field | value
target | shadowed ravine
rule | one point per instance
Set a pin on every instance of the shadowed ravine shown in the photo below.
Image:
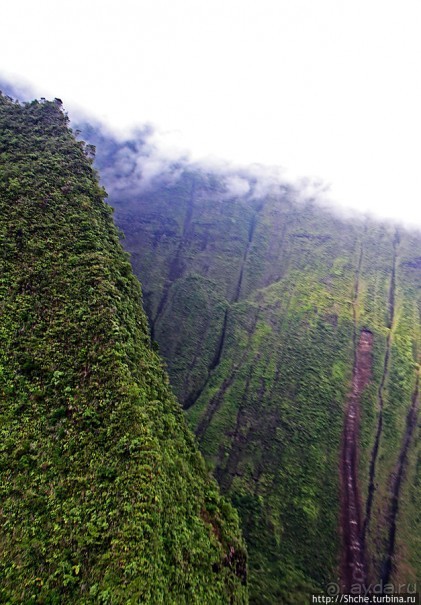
(353, 561)
(176, 266)
(380, 392)
(218, 353)
(411, 422)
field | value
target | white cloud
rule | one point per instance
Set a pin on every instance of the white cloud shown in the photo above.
(237, 186)
(326, 89)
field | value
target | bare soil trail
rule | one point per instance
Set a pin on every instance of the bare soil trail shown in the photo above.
(353, 569)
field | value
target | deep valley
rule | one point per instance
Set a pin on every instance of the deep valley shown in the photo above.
(292, 339)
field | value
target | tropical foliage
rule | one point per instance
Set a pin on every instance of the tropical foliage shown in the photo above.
(104, 496)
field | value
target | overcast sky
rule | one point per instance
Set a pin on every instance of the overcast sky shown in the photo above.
(324, 88)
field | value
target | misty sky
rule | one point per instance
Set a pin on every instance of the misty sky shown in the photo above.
(324, 88)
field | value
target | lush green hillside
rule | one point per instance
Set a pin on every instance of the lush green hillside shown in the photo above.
(257, 303)
(104, 496)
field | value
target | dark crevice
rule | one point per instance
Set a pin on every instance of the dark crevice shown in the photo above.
(193, 397)
(355, 301)
(411, 422)
(380, 392)
(273, 422)
(225, 474)
(279, 267)
(176, 268)
(216, 401)
(217, 358)
(392, 288)
(213, 406)
(239, 441)
(188, 401)
(220, 346)
(191, 400)
(252, 227)
(218, 352)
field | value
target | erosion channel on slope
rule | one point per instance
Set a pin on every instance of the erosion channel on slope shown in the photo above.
(353, 570)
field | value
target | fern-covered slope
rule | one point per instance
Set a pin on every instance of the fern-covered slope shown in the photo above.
(104, 496)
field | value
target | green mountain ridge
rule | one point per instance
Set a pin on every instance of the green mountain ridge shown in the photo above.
(257, 304)
(104, 495)
(291, 337)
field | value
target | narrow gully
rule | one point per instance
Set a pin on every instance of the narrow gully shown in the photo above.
(380, 393)
(411, 422)
(220, 346)
(191, 400)
(245, 255)
(215, 403)
(176, 268)
(218, 353)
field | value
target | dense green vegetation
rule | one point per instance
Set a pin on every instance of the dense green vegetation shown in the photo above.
(256, 303)
(104, 496)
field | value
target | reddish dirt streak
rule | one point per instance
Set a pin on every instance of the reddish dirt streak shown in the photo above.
(353, 568)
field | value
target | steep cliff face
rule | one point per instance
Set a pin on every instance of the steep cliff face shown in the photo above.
(104, 496)
(260, 304)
